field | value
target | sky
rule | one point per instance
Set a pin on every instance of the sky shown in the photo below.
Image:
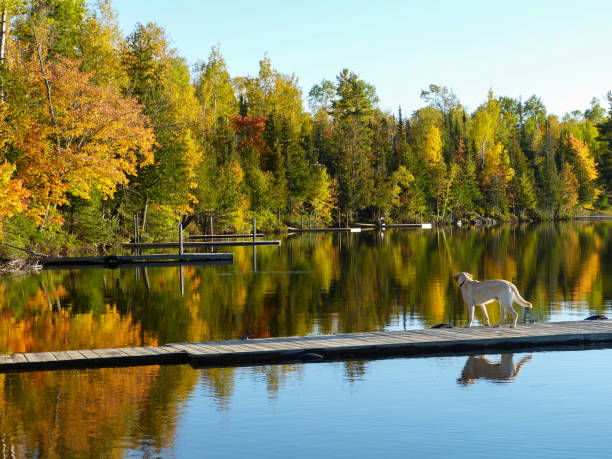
(557, 50)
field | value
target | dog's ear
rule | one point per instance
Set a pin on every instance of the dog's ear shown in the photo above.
(456, 276)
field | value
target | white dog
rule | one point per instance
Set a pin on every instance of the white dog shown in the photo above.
(480, 293)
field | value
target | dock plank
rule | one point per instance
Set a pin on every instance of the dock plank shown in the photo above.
(427, 342)
(109, 353)
(40, 357)
(68, 356)
(19, 358)
(138, 351)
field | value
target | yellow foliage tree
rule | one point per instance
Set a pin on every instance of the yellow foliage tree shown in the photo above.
(569, 188)
(584, 168)
(323, 197)
(582, 158)
(497, 165)
(12, 194)
(432, 148)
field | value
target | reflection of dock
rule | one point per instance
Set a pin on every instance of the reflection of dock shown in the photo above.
(430, 342)
(117, 261)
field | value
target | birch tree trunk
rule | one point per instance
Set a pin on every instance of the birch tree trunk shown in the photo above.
(3, 37)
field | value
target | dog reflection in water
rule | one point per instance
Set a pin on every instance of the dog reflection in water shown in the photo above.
(479, 367)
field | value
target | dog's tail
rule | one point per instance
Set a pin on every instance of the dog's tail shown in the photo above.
(519, 299)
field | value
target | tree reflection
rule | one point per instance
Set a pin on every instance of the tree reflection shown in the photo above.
(98, 413)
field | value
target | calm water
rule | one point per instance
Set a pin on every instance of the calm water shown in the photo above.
(552, 404)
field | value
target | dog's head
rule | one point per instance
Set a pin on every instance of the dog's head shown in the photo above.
(461, 277)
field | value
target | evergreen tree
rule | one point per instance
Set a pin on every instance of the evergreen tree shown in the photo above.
(355, 100)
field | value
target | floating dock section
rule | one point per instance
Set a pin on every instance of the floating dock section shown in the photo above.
(422, 343)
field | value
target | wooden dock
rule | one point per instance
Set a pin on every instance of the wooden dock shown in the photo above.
(421, 343)
(224, 236)
(187, 245)
(395, 225)
(117, 261)
(325, 230)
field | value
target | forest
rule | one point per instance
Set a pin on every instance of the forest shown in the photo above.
(96, 128)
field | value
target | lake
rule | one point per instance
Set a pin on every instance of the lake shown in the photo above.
(554, 402)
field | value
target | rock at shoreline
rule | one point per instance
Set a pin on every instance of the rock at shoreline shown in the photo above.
(19, 266)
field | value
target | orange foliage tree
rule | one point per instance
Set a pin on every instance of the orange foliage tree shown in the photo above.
(249, 129)
(12, 192)
(76, 137)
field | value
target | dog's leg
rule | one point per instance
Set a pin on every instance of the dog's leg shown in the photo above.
(470, 315)
(484, 313)
(514, 313)
(502, 313)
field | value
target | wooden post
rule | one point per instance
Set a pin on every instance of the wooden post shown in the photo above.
(180, 228)
(135, 229)
(339, 219)
(254, 229)
(347, 225)
(211, 233)
(138, 228)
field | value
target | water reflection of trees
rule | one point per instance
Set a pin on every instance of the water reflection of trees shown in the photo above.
(93, 413)
(313, 284)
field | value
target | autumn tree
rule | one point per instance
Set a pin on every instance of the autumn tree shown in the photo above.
(160, 80)
(214, 91)
(569, 189)
(584, 166)
(77, 136)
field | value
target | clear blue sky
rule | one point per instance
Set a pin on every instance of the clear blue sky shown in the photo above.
(559, 50)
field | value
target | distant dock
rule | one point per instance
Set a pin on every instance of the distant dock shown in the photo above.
(324, 230)
(359, 227)
(186, 245)
(223, 236)
(395, 225)
(413, 343)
